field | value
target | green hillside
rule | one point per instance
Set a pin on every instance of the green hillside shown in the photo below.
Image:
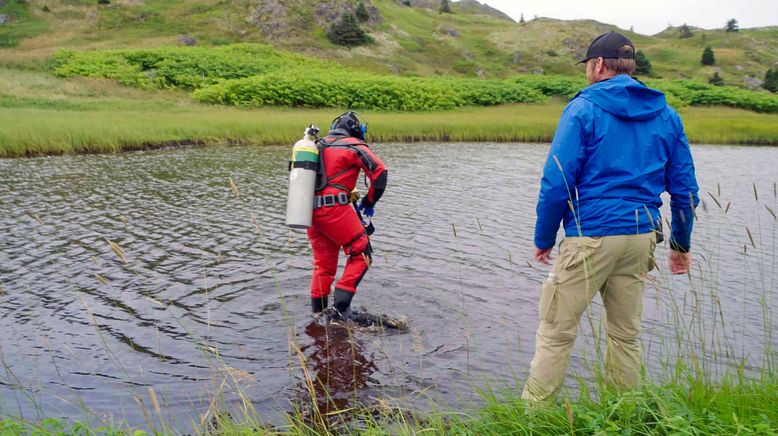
(474, 40)
(110, 75)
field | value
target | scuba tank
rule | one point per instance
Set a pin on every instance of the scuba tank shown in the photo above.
(302, 180)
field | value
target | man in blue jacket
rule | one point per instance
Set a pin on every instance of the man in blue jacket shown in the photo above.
(618, 146)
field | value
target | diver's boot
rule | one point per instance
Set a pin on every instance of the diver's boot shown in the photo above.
(343, 303)
(343, 308)
(318, 304)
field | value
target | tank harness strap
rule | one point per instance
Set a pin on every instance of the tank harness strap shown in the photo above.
(306, 165)
(325, 180)
(329, 200)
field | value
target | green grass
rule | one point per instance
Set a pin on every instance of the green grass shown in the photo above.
(41, 114)
(736, 405)
(31, 127)
(23, 23)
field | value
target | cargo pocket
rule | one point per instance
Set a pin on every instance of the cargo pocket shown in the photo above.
(651, 258)
(581, 249)
(548, 301)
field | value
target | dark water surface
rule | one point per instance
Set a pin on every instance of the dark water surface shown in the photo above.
(205, 290)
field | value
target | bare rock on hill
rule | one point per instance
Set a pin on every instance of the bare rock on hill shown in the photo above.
(187, 40)
(475, 7)
(375, 15)
(426, 4)
(752, 82)
(269, 16)
(326, 13)
(516, 57)
(2, 3)
(450, 31)
(5, 19)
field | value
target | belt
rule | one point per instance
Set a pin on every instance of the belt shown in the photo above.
(341, 198)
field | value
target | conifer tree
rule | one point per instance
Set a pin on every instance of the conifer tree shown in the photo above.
(771, 80)
(347, 32)
(707, 57)
(643, 65)
(732, 25)
(716, 80)
(445, 7)
(361, 12)
(685, 31)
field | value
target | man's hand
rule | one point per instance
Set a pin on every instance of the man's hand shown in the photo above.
(680, 263)
(543, 255)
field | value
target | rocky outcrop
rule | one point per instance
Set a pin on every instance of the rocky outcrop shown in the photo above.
(4, 19)
(269, 16)
(277, 19)
(326, 13)
(475, 7)
(186, 40)
(753, 82)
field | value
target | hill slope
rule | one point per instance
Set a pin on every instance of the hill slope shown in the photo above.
(410, 40)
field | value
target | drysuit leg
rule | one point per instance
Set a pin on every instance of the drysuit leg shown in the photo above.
(358, 261)
(325, 263)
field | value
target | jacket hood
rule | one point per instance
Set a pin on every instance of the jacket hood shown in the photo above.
(625, 98)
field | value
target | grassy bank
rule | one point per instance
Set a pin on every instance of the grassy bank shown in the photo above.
(41, 114)
(736, 406)
(64, 128)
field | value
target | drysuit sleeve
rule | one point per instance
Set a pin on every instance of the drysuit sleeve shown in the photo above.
(376, 171)
(681, 184)
(563, 165)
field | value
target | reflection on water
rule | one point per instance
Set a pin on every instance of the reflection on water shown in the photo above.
(338, 367)
(120, 273)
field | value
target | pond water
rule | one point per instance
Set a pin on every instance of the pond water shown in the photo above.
(141, 277)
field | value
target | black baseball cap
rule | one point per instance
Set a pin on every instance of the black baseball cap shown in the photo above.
(607, 46)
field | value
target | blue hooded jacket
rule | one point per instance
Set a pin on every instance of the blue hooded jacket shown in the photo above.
(618, 146)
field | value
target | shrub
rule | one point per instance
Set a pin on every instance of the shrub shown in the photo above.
(702, 94)
(365, 91)
(642, 64)
(347, 32)
(181, 67)
(716, 79)
(771, 80)
(445, 7)
(707, 57)
(685, 31)
(361, 12)
(552, 85)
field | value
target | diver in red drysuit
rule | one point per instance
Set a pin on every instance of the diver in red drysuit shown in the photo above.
(336, 225)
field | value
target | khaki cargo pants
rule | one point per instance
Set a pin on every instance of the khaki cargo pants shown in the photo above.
(614, 266)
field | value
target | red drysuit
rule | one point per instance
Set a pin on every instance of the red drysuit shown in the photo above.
(337, 225)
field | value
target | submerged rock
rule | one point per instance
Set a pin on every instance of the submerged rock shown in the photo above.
(363, 318)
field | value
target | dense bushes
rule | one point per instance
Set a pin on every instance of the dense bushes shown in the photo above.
(181, 67)
(552, 85)
(686, 92)
(365, 91)
(258, 75)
